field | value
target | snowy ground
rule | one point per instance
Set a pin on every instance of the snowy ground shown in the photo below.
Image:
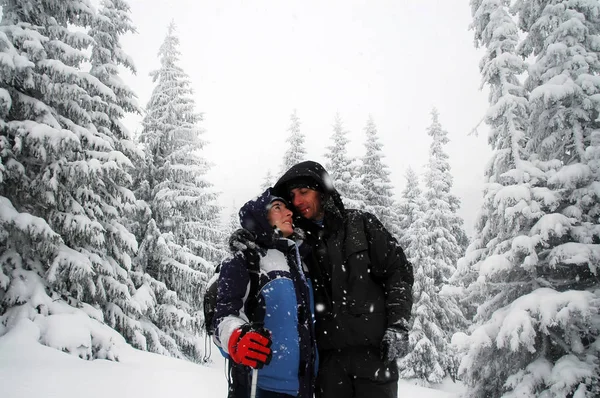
(29, 369)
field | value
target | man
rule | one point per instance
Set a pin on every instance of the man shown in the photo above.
(362, 285)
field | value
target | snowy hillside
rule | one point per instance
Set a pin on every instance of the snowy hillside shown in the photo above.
(29, 369)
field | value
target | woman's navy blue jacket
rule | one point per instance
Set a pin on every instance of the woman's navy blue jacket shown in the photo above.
(284, 304)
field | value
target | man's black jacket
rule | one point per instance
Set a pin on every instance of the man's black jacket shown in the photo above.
(361, 278)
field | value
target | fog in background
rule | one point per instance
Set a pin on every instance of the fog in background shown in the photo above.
(252, 63)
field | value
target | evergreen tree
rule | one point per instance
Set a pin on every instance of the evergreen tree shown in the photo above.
(357, 189)
(180, 242)
(406, 206)
(532, 262)
(296, 152)
(268, 181)
(107, 56)
(377, 188)
(423, 361)
(444, 231)
(564, 82)
(509, 207)
(64, 254)
(435, 313)
(233, 223)
(441, 218)
(340, 168)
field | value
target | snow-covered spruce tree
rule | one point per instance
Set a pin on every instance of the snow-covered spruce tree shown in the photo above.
(424, 362)
(406, 206)
(356, 167)
(233, 223)
(377, 188)
(107, 57)
(64, 255)
(444, 226)
(564, 125)
(509, 207)
(181, 239)
(340, 168)
(268, 181)
(436, 314)
(565, 105)
(296, 151)
(531, 263)
(230, 225)
(112, 22)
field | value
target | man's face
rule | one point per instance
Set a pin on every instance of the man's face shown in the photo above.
(307, 203)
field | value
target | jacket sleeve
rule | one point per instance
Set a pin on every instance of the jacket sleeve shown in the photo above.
(390, 266)
(232, 293)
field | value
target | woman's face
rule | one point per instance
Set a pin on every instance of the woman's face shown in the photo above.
(281, 217)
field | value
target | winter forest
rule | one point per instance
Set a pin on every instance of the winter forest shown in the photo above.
(111, 235)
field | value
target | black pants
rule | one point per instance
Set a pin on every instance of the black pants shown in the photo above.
(240, 384)
(239, 380)
(271, 394)
(356, 372)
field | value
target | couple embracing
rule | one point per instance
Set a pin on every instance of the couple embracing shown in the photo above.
(317, 297)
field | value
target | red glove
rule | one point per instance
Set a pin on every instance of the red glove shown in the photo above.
(250, 346)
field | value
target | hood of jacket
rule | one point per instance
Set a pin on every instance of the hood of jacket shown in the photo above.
(312, 171)
(253, 217)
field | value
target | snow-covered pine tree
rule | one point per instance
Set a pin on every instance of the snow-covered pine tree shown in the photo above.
(565, 89)
(64, 255)
(296, 151)
(509, 207)
(231, 224)
(436, 314)
(375, 179)
(107, 56)
(458, 230)
(564, 126)
(356, 167)
(532, 261)
(423, 361)
(406, 206)
(268, 181)
(398, 204)
(340, 168)
(234, 221)
(181, 241)
(443, 224)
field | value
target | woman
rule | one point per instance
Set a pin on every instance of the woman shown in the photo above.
(269, 327)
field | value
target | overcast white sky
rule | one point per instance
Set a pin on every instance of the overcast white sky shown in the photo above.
(252, 62)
